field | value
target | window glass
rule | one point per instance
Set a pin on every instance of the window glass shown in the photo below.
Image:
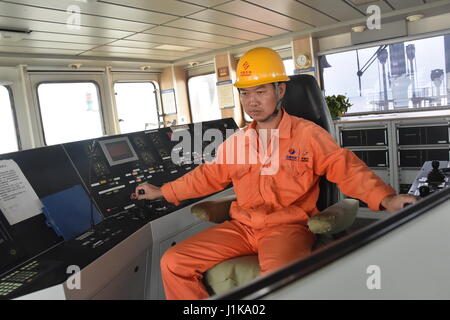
(8, 134)
(69, 111)
(400, 76)
(203, 98)
(136, 106)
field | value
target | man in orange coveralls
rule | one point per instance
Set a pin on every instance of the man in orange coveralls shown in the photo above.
(272, 208)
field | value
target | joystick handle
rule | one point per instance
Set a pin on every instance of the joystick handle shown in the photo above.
(424, 191)
(435, 164)
(435, 176)
(141, 191)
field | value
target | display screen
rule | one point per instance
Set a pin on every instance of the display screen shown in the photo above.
(119, 150)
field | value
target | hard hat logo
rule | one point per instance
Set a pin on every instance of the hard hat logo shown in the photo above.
(260, 66)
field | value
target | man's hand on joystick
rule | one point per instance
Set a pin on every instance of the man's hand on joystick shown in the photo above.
(146, 191)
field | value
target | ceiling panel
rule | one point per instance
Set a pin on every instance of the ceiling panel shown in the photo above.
(296, 10)
(383, 6)
(40, 26)
(257, 13)
(205, 3)
(189, 34)
(47, 36)
(403, 4)
(175, 41)
(38, 50)
(215, 29)
(230, 20)
(167, 6)
(339, 10)
(49, 45)
(96, 10)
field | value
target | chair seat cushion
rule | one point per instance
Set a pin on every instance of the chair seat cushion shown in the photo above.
(335, 218)
(232, 273)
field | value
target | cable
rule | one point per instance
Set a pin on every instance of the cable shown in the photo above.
(367, 65)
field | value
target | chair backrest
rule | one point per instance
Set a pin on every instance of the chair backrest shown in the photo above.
(304, 99)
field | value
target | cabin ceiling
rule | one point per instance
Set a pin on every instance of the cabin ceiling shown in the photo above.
(162, 32)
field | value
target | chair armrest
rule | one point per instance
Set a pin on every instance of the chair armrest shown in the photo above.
(335, 218)
(216, 211)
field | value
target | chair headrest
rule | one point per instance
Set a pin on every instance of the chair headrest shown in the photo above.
(304, 99)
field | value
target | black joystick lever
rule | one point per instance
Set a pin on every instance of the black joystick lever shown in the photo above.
(140, 209)
(435, 176)
(424, 191)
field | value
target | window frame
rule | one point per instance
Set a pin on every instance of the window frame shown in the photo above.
(39, 110)
(156, 91)
(14, 115)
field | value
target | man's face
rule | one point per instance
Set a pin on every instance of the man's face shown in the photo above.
(259, 102)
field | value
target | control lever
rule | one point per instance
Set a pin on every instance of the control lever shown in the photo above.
(140, 209)
(424, 191)
(435, 176)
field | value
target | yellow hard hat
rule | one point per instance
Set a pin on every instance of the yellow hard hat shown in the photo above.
(260, 66)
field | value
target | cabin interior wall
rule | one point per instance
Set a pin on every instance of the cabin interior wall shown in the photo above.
(175, 77)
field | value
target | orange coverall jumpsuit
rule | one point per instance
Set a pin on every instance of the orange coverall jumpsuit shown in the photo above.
(270, 215)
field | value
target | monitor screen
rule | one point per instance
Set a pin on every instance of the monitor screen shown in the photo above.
(118, 150)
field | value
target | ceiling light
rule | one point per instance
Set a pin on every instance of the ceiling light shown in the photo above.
(172, 47)
(414, 17)
(145, 68)
(359, 28)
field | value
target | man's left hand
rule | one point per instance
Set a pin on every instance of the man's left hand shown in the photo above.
(393, 203)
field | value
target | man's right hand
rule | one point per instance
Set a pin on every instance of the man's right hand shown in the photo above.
(149, 192)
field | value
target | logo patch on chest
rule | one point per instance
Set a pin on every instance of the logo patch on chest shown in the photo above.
(296, 155)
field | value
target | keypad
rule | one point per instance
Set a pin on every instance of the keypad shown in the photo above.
(7, 287)
(18, 278)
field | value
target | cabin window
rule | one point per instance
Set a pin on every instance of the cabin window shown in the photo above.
(403, 76)
(203, 98)
(8, 133)
(70, 111)
(136, 106)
